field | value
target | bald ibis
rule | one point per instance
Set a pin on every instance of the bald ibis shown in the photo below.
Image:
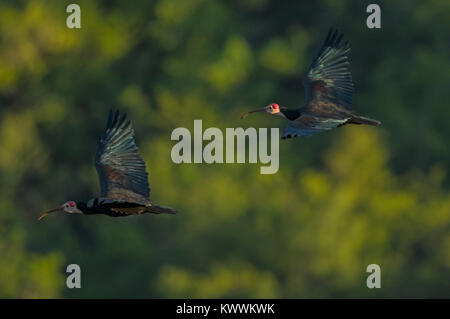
(328, 88)
(124, 188)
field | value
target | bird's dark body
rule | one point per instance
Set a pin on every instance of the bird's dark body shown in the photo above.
(307, 120)
(326, 109)
(112, 208)
(115, 208)
(318, 108)
(290, 114)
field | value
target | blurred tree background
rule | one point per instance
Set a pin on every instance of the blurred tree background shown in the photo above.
(340, 201)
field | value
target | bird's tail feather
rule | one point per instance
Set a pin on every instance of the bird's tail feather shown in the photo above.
(363, 120)
(155, 209)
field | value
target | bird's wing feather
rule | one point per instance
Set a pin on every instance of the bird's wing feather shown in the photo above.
(120, 169)
(307, 125)
(329, 77)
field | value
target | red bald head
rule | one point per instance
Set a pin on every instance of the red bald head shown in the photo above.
(68, 207)
(71, 203)
(272, 108)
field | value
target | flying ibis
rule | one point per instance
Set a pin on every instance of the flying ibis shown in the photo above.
(124, 188)
(328, 89)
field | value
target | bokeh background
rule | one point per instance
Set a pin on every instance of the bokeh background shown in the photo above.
(340, 201)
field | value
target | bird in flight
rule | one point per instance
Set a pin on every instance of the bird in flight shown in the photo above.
(124, 188)
(328, 89)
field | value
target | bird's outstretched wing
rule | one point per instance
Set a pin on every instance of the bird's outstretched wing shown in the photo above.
(307, 125)
(328, 76)
(120, 169)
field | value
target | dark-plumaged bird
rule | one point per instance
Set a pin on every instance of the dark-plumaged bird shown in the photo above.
(124, 188)
(328, 89)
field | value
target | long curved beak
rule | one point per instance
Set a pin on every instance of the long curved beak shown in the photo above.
(264, 109)
(50, 211)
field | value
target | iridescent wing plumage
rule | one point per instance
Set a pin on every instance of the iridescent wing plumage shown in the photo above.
(121, 170)
(329, 77)
(328, 89)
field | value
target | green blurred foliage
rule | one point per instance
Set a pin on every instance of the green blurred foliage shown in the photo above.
(340, 201)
